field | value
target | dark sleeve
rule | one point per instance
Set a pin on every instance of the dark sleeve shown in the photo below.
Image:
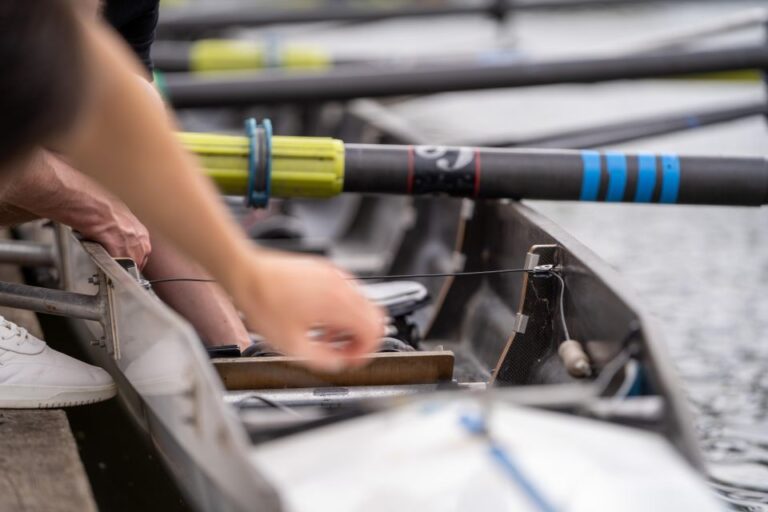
(135, 21)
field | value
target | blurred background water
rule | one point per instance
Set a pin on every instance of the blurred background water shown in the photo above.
(701, 271)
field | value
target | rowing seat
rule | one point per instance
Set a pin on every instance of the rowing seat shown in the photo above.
(400, 298)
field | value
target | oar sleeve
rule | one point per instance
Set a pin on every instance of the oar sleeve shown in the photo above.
(556, 175)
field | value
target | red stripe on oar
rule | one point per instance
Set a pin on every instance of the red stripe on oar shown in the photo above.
(478, 171)
(410, 170)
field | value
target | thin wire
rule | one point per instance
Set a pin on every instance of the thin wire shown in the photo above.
(562, 300)
(182, 279)
(371, 278)
(269, 402)
(615, 365)
(448, 274)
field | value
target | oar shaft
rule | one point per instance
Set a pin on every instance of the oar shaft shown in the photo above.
(259, 165)
(187, 91)
(207, 18)
(625, 131)
(555, 174)
(208, 56)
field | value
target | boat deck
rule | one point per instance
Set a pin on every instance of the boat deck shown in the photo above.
(466, 367)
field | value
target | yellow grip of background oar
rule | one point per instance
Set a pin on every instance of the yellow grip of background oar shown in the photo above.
(217, 55)
(212, 55)
(304, 57)
(301, 166)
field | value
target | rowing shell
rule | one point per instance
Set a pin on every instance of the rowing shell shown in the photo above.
(210, 439)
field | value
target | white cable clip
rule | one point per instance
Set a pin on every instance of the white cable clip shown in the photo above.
(542, 269)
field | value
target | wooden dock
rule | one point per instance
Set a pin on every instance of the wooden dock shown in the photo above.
(40, 468)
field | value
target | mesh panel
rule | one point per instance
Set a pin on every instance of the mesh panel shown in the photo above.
(527, 358)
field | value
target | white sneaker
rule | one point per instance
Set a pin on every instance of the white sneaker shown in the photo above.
(33, 375)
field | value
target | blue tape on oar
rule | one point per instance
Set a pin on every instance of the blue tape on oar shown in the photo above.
(670, 179)
(250, 132)
(255, 198)
(267, 125)
(646, 178)
(616, 164)
(590, 181)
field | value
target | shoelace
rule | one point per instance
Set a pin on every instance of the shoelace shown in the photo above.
(15, 330)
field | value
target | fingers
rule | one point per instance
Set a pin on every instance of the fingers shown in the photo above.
(345, 345)
(300, 295)
(144, 253)
(325, 356)
(125, 240)
(349, 311)
(136, 249)
(137, 245)
(354, 327)
(346, 335)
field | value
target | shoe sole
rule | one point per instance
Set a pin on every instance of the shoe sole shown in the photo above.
(31, 397)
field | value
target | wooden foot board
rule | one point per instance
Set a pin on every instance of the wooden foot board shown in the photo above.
(387, 369)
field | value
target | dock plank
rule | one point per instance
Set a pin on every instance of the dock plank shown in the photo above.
(40, 468)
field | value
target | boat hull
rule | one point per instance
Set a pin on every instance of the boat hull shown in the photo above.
(167, 384)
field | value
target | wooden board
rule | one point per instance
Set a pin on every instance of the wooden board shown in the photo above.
(388, 369)
(39, 463)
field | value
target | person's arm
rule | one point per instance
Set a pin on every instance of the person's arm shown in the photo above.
(49, 188)
(128, 145)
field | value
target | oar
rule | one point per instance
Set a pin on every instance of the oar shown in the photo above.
(188, 21)
(625, 131)
(213, 55)
(259, 166)
(373, 113)
(685, 36)
(225, 55)
(186, 90)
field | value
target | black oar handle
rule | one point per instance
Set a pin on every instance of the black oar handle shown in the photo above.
(556, 175)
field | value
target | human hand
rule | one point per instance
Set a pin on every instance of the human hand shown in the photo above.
(48, 187)
(114, 226)
(306, 307)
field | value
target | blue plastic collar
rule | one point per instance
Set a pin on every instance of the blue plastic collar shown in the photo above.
(255, 198)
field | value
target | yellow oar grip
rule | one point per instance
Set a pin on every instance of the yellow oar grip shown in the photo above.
(301, 166)
(216, 55)
(307, 167)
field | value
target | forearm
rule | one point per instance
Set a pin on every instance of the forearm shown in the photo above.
(204, 305)
(49, 188)
(124, 142)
